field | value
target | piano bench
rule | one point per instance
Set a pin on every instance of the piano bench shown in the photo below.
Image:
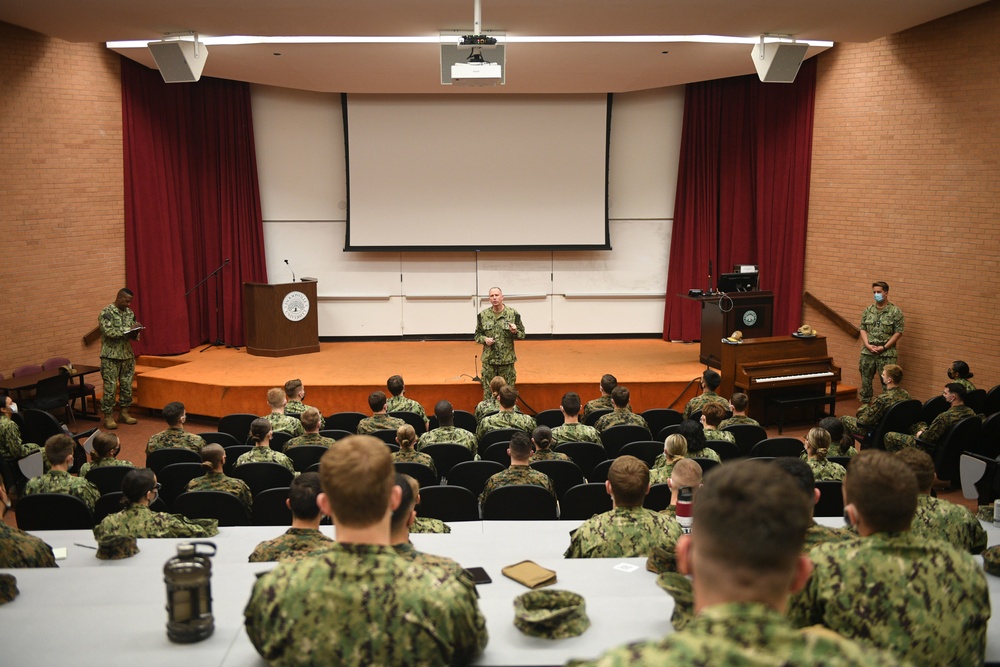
(803, 399)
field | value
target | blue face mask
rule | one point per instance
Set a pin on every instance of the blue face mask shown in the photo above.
(879, 297)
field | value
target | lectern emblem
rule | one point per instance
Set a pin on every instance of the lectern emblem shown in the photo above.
(750, 318)
(295, 306)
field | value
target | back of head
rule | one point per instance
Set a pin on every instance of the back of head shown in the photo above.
(740, 402)
(958, 389)
(445, 413)
(686, 472)
(58, 448)
(713, 414)
(694, 434)
(136, 484)
(571, 403)
(620, 396)
(357, 476)
(922, 465)
(105, 444)
(275, 397)
(835, 428)
(629, 479)
(894, 372)
(542, 437)
(608, 383)
(675, 447)
(311, 419)
(507, 396)
(212, 455)
(395, 385)
(259, 428)
(496, 383)
(818, 442)
(376, 401)
(961, 369)
(800, 472)
(172, 413)
(882, 489)
(407, 502)
(292, 389)
(406, 436)
(302, 494)
(712, 379)
(520, 446)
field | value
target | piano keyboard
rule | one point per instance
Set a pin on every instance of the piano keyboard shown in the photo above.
(790, 378)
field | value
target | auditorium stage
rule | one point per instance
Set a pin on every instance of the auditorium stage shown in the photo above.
(340, 376)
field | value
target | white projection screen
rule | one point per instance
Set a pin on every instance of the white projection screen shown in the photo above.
(477, 172)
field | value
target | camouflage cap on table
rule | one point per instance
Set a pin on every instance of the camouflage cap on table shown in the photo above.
(679, 588)
(991, 561)
(551, 614)
(8, 588)
(117, 547)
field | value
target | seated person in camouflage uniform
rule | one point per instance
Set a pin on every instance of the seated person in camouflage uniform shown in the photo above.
(359, 602)
(104, 455)
(869, 415)
(921, 599)
(406, 438)
(175, 435)
(629, 529)
(379, 421)
(694, 434)
(447, 431)
(519, 472)
(311, 421)
(279, 420)
(803, 475)
(607, 385)
(490, 404)
(622, 414)
(738, 405)
(740, 601)
(841, 443)
(295, 393)
(423, 524)
(686, 473)
(954, 393)
(710, 381)
(399, 403)
(675, 447)
(571, 429)
(939, 519)
(59, 453)
(404, 522)
(711, 416)
(541, 438)
(213, 457)
(817, 443)
(507, 417)
(139, 490)
(260, 434)
(19, 549)
(11, 446)
(303, 538)
(960, 373)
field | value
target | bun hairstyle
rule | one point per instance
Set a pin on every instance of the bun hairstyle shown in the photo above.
(136, 484)
(406, 436)
(104, 446)
(675, 447)
(818, 442)
(542, 437)
(259, 428)
(212, 455)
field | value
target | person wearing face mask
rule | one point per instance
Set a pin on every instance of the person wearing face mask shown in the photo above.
(881, 327)
(957, 410)
(139, 491)
(11, 446)
(960, 373)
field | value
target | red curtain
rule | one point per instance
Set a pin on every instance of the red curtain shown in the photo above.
(192, 204)
(742, 193)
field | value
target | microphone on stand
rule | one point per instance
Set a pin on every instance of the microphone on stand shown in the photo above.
(709, 291)
(475, 375)
(289, 268)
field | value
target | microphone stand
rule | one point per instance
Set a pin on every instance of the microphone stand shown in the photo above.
(218, 342)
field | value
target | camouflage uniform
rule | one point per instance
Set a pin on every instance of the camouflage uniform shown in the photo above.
(218, 481)
(141, 522)
(175, 436)
(896, 441)
(888, 590)
(705, 452)
(517, 474)
(11, 446)
(744, 634)
(624, 532)
(403, 404)
(703, 399)
(487, 406)
(660, 474)
(282, 423)
(297, 407)
(107, 462)
(716, 434)
(602, 403)
(498, 358)
(965, 382)
(447, 566)
(575, 433)
(60, 481)
(360, 604)
(735, 420)
(826, 471)
(881, 324)
(548, 455)
(264, 455)
(820, 534)
(409, 455)
(444, 434)
(379, 422)
(117, 358)
(618, 417)
(293, 544)
(19, 549)
(425, 524)
(941, 520)
(502, 420)
(309, 439)
(868, 416)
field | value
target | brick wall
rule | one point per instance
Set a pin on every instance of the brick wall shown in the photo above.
(61, 206)
(906, 189)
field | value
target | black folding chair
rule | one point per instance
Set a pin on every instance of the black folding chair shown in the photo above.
(53, 511)
(520, 502)
(225, 507)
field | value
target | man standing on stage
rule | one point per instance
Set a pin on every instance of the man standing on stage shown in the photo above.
(118, 329)
(881, 327)
(496, 329)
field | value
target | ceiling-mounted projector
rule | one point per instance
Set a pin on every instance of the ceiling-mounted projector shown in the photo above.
(476, 72)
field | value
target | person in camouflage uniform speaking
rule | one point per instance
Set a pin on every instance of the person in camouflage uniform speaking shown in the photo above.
(881, 327)
(118, 328)
(497, 327)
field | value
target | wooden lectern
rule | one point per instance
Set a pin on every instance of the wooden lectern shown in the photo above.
(281, 320)
(721, 315)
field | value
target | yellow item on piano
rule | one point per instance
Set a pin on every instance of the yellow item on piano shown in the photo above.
(736, 337)
(806, 330)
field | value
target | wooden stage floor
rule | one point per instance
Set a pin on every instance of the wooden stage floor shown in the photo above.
(340, 376)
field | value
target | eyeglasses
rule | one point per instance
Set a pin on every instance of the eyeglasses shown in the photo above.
(157, 487)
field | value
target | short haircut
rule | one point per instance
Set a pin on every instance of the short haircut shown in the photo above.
(800, 472)
(629, 478)
(754, 509)
(406, 436)
(818, 441)
(835, 428)
(212, 455)
(376, 401)
(58, 448)
(542, 437)
(571, 403)
(686, 472)
(496, 383)
(445, 413)
(302, 494)
(958, 389)
(507, 396)
(712, 379)
(740, 402)
(962, 370)
(520, 445)
(276, 397)
(357, 476)
(172, 413)
(922, 465)
(292, 388)
(608, 383)
(694, 434)
(620, 396)
(408, 501)
(883, 489)
(881, 283)
(675, 447)
(713, 413)
(894, 372)
(126, 291)
(136, 484)
(104, 443)
(259, 428)
(311, 419)
(395, 385)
